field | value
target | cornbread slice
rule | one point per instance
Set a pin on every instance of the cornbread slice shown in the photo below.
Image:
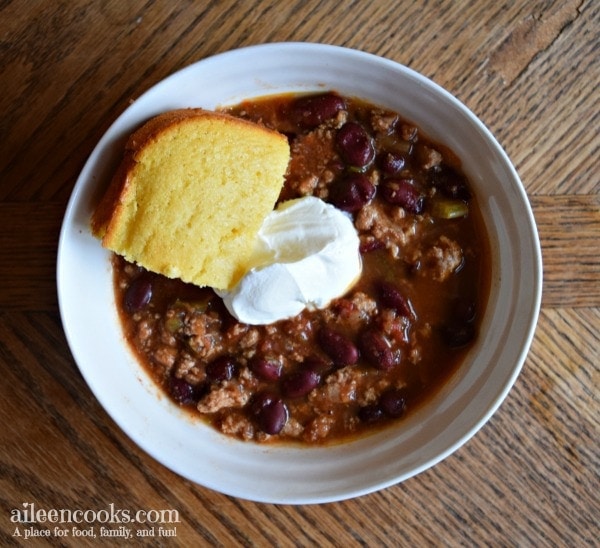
(191, 193)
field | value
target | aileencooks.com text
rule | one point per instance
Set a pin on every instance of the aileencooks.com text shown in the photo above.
(29, 514)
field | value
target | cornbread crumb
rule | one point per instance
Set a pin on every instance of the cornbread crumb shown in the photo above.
(191, 193)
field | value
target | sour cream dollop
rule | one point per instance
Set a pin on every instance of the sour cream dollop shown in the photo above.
(307, 254)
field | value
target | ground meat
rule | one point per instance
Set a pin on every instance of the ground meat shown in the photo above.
(442, 259)
(144, 332)
(307, 186)
(408, 132)
(354, 310)
(340, 387)
(229, 394)
(429, 157)
(313, 164)
(167, 337)
(237, 425)
(371, 393)
(393, 231)
(298, 332)
(203, 330)
(383, 121)
(185, 365)
(165, 355)
(293, 428)
(250, 339)
(396, 326)
(318, 428)
(339, 120)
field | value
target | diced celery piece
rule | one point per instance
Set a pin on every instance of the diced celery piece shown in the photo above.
(444, 208)
(174, 324)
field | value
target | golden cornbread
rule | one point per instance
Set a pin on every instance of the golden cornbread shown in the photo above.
(191, 193)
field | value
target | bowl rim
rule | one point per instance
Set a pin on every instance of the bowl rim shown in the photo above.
(79, 202)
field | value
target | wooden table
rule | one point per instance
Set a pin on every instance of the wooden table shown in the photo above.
(528, 69)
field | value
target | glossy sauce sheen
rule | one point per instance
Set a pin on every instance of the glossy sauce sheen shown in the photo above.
(374, 354)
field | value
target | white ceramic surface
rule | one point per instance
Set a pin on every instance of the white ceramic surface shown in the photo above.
(283, 474)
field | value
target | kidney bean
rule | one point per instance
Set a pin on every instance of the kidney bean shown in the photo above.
(222, 368)
(352, 192)
(181, 391)
(260, 400)
(464, 310)
(355, 145)
(300, 383)
(371, 413)
(268, 370)
(319, 365)
(274, 417)
(271, 412)
(392, 163)
(393, 402)
(311, 111)
(338, 347)
(391, 297)
(376, 349)
(450, 182)
(138, 294)
(459, 334)
(402, 192)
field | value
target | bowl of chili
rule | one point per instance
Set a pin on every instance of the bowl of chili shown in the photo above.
(289, 472)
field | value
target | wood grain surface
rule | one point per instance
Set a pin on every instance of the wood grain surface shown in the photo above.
(528, 68)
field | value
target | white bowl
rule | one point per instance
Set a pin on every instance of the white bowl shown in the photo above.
(283, 474)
